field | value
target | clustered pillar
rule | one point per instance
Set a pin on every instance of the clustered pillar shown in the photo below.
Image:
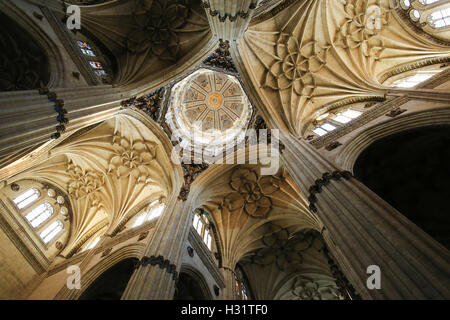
(363, 230)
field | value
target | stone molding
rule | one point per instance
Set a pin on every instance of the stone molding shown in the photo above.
(205, 256)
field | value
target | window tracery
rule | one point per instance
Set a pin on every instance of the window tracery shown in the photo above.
(203, 228)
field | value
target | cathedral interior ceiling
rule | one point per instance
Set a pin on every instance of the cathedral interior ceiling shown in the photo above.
(149, 37)
(107, 172)
(314, 53)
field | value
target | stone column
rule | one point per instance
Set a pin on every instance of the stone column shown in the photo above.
(156, 275)
(32, 117)
(229, 292)
(363, 230)
(229, 19)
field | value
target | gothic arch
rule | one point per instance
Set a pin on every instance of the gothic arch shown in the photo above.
(198, 278)
(352, 150)
(130, 251)
(42, 39)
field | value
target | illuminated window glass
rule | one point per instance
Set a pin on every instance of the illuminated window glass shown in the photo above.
(152, 212)
(96, 65)
(427, 1)
(88, 52)
(327, 126)
(351, 114)
(342, 119)
(83, 45)
(100, 72)
(413, 80)
(26, 198)
(439, 18)
(40, 214)
(319, 131)
(51, 231)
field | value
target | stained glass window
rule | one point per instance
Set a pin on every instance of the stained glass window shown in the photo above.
(440, 18)
(83, 45)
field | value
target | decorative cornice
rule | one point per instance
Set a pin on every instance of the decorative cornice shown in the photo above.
(273, 12)
(59, 108)
(221, 57)
(191, 171)
(230, 16)
(324, 181)
(205, 256)
(345, 287)
(366, 117)
(412, 66)
(150, 103)
(161, 263)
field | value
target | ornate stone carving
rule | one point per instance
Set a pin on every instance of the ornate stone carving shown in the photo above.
(132, 158)
(324, 181)
(161, 263)
(59, 108)
(250, 193)
(156, 30)
(221, 57)
(15, 187)
(395, 112)
(190, 251)
(150, 103)
(361, 26)
(295, 65)
(84, 183)
(231, 17)
(283, 249)
(333, 145)
(191, 171)
(305, 288)
(345, 287)
(143, 235)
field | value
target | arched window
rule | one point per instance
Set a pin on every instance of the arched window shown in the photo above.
(40, 214)
(328, 121)
(50, 232)
(201, 225)
(439, 18)
(27, 198)
(153, 211)
(241, 287)
(425, 2)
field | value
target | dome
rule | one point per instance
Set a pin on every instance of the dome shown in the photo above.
(208, 110)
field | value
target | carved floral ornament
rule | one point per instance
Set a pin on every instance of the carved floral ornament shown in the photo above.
(84, 183)
(157, 24)
(363, 22)
(132, 158)
(251, 193)
(295, 65)
(283, 249)
(306, 288)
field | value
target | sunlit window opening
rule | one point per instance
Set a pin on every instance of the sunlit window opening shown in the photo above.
(27, 198)
(152, 212)
(207, 238)
(414, 80)
(85, 48)
(405, 3)
(40, 214)
(198, 224)
(426, 1)
(439, 18)
(49, 233)
(327, 126)
(94, 243)
(320, 131)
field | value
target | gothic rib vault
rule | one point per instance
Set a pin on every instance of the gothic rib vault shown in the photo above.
(297, 233)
